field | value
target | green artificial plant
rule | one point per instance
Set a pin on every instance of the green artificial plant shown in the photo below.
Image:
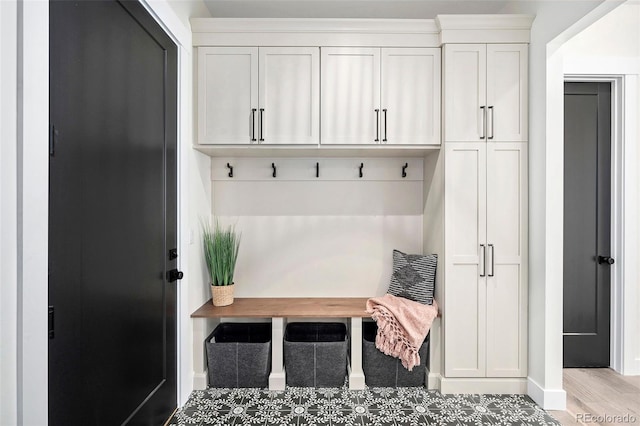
(221, 247)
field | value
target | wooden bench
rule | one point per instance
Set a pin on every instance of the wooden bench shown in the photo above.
(279, 309)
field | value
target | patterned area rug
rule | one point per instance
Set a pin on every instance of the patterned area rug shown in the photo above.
(342, 407)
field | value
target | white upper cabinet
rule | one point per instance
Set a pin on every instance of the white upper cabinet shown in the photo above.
(485, 86)
(227, 94)
(507, 88)
(350, 104)
(250, 95)
(289, 95)
(380, 96)
(410, 98)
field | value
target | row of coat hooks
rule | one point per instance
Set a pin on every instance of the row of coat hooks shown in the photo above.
(275, 170)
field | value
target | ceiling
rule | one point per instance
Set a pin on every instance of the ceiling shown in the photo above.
(400, 9)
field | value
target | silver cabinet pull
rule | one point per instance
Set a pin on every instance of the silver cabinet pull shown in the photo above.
(253, 124)
(483, 266)
(261, 119)
(492, 259)
(483, 121)
(385, 125)
(377, 139)
(490, 121)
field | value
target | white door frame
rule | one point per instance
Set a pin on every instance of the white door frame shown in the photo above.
(617, 341)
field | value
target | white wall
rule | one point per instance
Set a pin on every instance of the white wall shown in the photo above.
(8, 213)
(320, 238)
(611, 47)
(555, 23)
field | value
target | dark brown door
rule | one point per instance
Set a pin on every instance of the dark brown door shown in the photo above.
(587, 224)
(112, 195)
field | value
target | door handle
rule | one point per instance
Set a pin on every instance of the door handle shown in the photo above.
(483, 265)
(253, 124)
(490, 121)
(492, 260)
(385, 125)
(377, 139)
(606, 260)
(261, 112)
(483, 119)
(174, 275)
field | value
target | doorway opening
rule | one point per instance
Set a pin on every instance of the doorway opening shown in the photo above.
(610, 274)
(587, 224)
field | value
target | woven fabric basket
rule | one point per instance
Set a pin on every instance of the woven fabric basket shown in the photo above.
(222, 295)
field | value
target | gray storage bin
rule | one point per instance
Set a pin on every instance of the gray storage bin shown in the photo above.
(384, 370)
(315, 354)
(239, 355)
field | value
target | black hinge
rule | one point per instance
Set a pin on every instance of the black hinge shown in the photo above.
(53, 140)
(51, 323)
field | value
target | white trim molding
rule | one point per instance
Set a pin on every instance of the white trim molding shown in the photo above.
(548, 399)
(484, 28)
(33, 211)
(314, 32)
(362, 32)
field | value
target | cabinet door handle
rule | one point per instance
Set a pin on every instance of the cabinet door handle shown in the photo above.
(261, 119)
(253, 124)
(483, 265)
(482, 121)
(492, 260)
(385, 125)
(377, 126)
(490, 121)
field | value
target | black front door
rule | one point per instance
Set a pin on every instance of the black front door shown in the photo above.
(587, 224)
(112, 219)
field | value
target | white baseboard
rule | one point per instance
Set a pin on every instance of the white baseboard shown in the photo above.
(506, 385)
(200, 380)
(433, 381)
(548, 399)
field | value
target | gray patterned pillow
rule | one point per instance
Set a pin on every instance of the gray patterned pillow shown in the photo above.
(413, 276)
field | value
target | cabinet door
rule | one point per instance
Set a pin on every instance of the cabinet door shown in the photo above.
(289, 80)
(464, 313)
(506, 261)
(350, 95)
(507, 89)
(464, 92)
(227, 94)
(410, 96)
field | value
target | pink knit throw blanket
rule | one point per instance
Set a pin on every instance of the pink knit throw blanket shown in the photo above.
(402, 326)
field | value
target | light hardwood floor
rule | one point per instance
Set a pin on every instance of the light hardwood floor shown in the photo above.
(600, 392)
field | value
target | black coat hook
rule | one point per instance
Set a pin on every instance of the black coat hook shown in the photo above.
(317, 170)
(404, 170)
(230, 169)
(361, 166)
(273, 166)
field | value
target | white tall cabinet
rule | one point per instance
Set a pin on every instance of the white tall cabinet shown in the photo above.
(251, 95)
(380, 96)
(485, 217)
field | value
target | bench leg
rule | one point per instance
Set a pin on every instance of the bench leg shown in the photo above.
(201, 329)
(276, 378)
(356, 375)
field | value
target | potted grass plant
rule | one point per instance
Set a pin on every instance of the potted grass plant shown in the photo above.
(221, 247)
